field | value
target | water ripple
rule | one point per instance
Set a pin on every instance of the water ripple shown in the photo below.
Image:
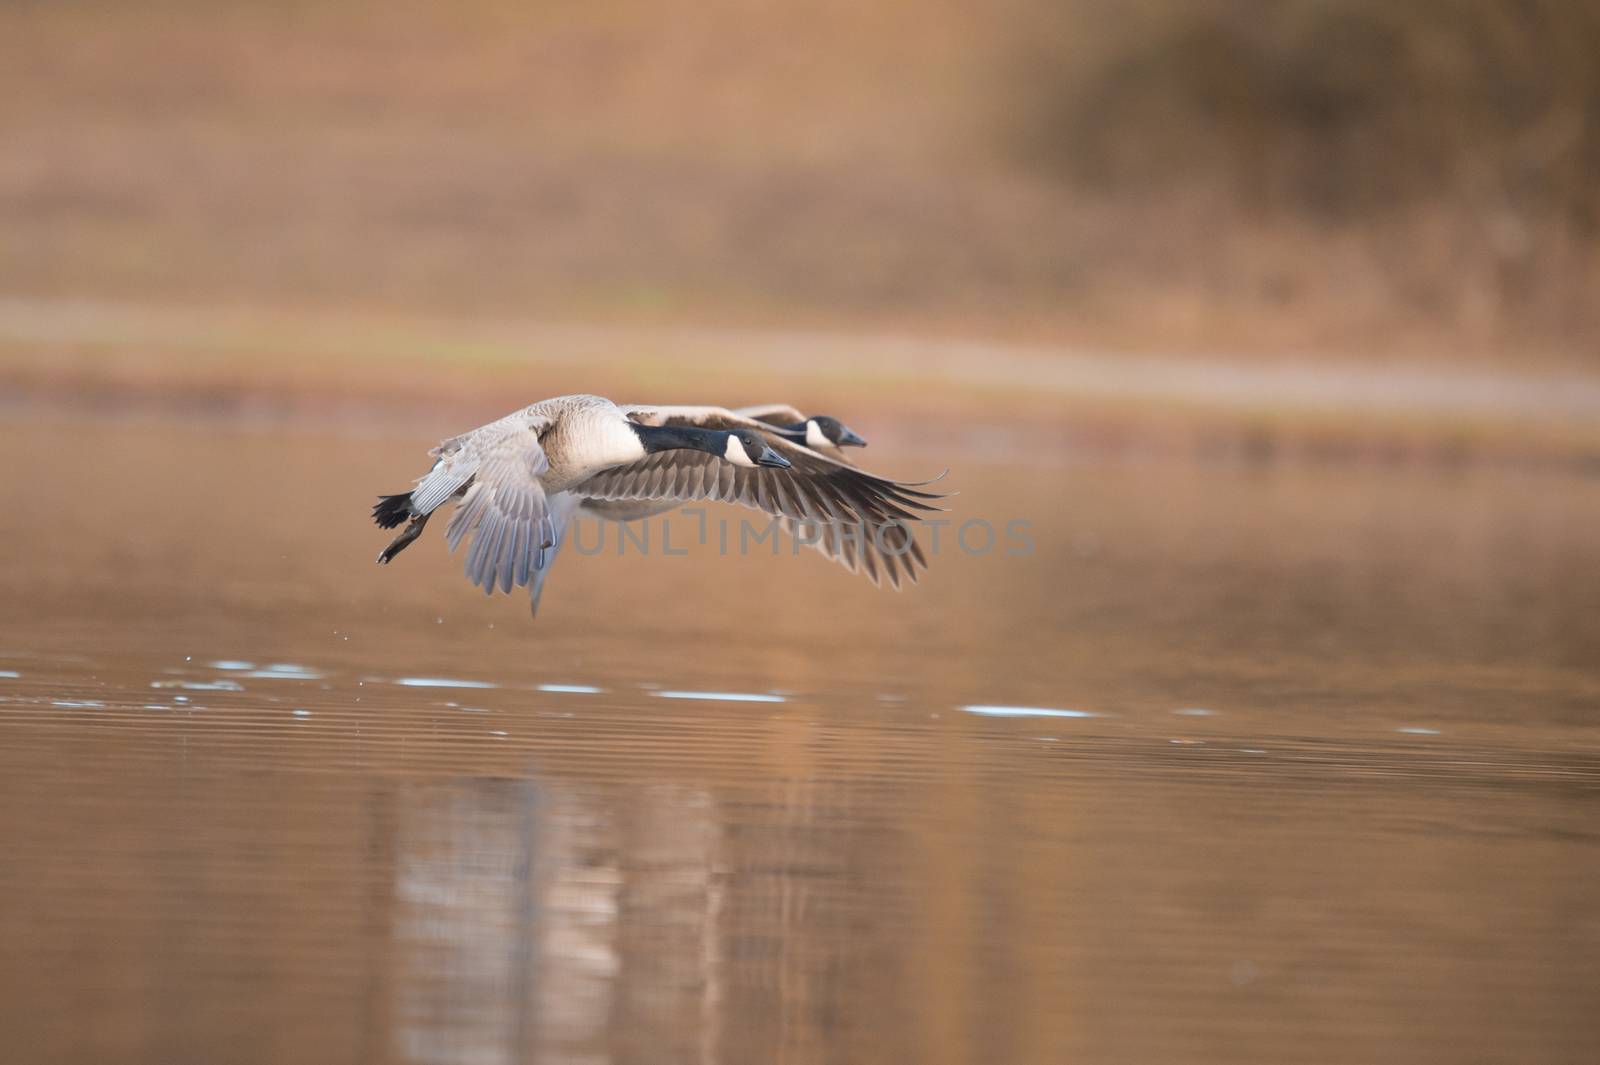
(285, 671)
(1024, 711)
(726, 697)
(200, 685)
(442, 682)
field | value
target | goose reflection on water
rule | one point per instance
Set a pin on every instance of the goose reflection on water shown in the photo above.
(586, 923)
(523, 934)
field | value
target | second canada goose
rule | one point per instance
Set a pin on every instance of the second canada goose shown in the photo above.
(875, 552)
(819, 432)
(519, 480)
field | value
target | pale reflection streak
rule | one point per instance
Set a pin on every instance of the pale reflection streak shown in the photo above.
(537, 922)
(1024, 711)
(464, 921)
(576, 954)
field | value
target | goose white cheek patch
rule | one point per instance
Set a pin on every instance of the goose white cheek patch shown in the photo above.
(814, 437)
(735, 453)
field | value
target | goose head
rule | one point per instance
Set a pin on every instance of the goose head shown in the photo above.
(823, 430)
(745, 447)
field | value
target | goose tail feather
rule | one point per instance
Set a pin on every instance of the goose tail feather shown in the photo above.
(390, 511)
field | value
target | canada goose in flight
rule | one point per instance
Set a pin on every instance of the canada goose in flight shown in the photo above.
(519, 481)
(820, 433)
(853, 544)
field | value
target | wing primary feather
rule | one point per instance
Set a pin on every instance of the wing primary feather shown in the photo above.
(473, 567)
(465, 517)
(508, 548)
(485, 546)
(522, 555)
(495, 526)
(782, 490)
(869, 561)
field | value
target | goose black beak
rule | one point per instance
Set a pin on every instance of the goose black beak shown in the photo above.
(770, 457)
(849, 439)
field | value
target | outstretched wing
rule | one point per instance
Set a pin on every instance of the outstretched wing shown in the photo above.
(503, 507)
(563, 505)
(702, 417)
(772, 414)
(874, 551)
(873, 513)
(850, 544)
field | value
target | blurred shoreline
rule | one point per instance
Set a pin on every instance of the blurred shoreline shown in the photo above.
(1339, 229)
(1347, 179)
(362, 371)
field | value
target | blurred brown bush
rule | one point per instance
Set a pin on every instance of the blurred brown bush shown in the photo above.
(1335, 107)
(1447, 151)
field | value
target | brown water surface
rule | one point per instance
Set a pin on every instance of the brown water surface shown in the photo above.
(1321, 782)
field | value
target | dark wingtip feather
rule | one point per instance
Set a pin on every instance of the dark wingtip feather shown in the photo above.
(930, 480)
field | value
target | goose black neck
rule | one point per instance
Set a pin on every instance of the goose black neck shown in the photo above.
(680, 437)
(795, 434)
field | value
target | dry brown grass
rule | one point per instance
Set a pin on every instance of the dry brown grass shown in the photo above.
(895, 164)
